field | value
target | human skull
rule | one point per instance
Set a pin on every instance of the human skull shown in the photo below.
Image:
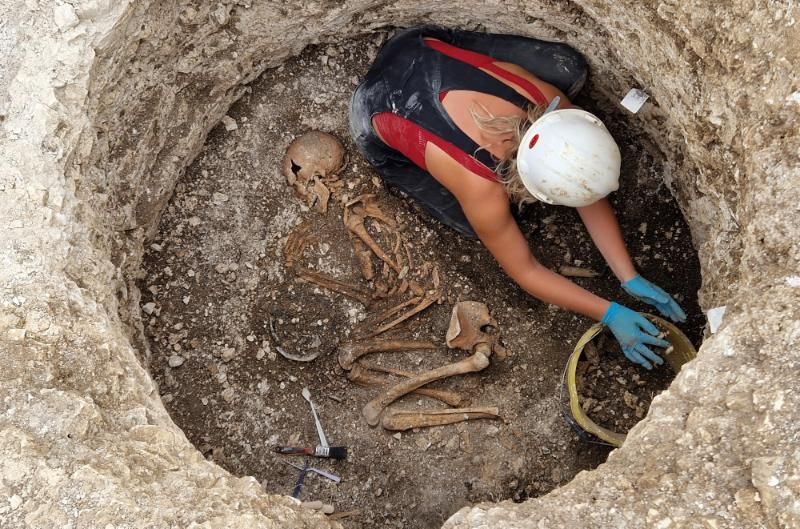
(314, 154)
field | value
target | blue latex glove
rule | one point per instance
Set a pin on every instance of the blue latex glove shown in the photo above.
(634, 332)
(645, 291)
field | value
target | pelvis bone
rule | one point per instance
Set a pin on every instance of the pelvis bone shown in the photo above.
(470, 325)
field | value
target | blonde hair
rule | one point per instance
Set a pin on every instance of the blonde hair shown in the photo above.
(506, 170)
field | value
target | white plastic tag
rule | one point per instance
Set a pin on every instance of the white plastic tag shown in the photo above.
(634, 100)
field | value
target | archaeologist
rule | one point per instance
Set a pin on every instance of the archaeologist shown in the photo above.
(456, 120)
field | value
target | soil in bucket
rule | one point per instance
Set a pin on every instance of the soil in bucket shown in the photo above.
(614, 392)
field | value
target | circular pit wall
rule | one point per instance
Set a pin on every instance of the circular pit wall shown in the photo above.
(106, 105)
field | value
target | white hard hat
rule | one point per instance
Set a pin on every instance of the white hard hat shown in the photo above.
(567, 157)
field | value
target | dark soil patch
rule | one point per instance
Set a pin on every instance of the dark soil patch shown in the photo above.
(215, 271)
(614, 392)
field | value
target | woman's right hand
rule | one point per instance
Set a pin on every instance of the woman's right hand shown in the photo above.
(634, 333)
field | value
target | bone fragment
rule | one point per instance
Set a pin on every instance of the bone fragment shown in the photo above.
(350, 352)
(366, 206)
(283, 352)
(322, 196)
(478, 361)
(335, 285)
(361, 375)
(405, 420)
(364, 257)
(423, 304)
(355, 223)
(574, 271)
(394, 310)
(296, 244)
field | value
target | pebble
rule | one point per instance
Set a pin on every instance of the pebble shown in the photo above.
(149, 308)
(194, 221)
(15, 502)
(228, 353)
(313, 505)
(327, 509)
(16, 335)
(219, 198)
(176, 361)
(230, 123)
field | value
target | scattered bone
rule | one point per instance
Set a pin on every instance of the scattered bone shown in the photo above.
(470, 325)
(426, 302)
(361, 375)
(322, 196)
(324, 281)
(355, 224)
(367, 206)
(312, 156)
(574, 271)
(388, 313)
(296, 243)
(478, 361)
(350, 352)
(283, 352)
(364, 257)
(406, 420)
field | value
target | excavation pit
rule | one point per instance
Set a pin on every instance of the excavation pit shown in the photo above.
(216, 274)
(103, 106)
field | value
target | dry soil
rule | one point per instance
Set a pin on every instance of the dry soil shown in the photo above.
(216, 269)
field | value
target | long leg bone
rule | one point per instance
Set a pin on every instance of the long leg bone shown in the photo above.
(335, 285)
(350, 352)
(478, 361)
(405, 420)
(362, 376)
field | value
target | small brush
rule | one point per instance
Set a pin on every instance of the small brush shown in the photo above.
(330, 452)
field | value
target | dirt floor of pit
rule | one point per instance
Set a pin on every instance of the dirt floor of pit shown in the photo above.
(216, 269)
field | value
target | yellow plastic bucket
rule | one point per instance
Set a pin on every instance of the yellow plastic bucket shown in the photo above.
(683, 352)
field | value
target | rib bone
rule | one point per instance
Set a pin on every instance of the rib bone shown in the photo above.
(405, 420)
(362, 376)
(478, 361)
(426, 302)
(330, 283)
(350, 352)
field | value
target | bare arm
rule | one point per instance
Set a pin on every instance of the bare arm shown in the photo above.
(490, 216)
(604, 229)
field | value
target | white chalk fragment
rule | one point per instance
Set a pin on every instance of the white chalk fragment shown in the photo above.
(65, 17)
(793, 281)
(715, 317)
(16, 335)
(634, 100)
(230, 123)
(15, 501)
(175, 361)
(149, 308)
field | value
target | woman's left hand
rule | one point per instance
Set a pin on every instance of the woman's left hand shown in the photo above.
(645, 291)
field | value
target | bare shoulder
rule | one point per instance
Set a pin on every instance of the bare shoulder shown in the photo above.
(459, 180)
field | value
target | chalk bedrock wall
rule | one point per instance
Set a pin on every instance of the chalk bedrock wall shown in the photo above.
(104, 103)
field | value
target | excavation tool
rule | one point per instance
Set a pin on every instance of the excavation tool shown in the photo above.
(323, 450)
(300, 479)
(323, 473)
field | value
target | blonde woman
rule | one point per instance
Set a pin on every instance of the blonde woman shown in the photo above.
(457, 121)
